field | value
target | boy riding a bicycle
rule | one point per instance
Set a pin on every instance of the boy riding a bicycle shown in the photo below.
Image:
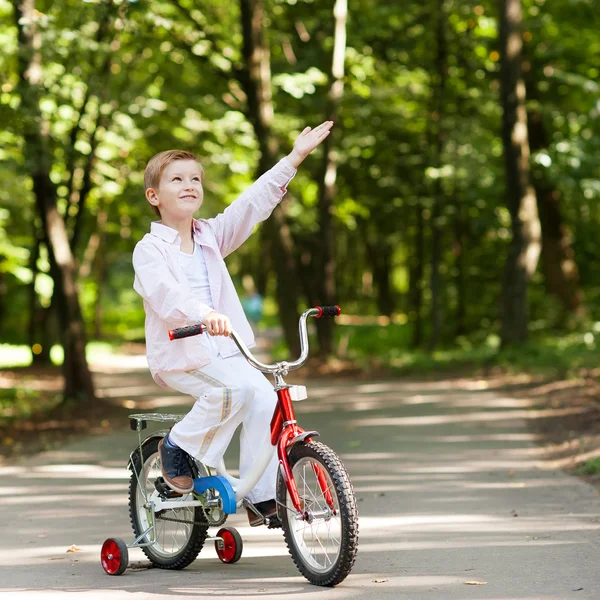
(181, 276)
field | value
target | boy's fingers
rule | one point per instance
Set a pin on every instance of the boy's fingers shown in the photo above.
(305, 131)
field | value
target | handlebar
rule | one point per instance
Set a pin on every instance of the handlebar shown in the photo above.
(317, 312)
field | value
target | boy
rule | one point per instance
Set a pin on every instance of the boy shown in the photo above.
(181, 276)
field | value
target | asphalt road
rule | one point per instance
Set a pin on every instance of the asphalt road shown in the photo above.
(451, 485)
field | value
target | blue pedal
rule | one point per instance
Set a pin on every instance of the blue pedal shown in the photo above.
(222, 486)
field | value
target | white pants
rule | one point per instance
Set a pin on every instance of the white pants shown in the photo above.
(228, 392)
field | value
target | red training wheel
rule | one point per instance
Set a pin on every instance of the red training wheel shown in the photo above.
(230, 549)
(114, 556)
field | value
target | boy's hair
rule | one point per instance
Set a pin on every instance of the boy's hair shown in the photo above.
(159, 162)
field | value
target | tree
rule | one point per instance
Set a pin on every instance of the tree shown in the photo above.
(78, 379)
(524, 248)
(326, 257)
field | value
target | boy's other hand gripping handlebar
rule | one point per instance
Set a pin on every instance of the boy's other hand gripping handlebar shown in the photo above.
(182, 332)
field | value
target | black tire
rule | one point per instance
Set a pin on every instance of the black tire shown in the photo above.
(195, 535)
(345, 501)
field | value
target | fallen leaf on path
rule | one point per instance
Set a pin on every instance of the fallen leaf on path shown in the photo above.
(469, 569)
(578, 590)
(380, 580)
(57, 558)
(74, 548)
(475, 582)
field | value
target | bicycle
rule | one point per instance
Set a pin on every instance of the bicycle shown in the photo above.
(316, 505)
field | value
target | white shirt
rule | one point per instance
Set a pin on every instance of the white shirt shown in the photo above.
(168, 300)
(194, 267)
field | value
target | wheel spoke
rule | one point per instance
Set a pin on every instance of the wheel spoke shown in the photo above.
(170, 536)
(317, 538)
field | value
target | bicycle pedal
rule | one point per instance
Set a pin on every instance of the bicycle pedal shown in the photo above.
(164, 490)
(274, 523)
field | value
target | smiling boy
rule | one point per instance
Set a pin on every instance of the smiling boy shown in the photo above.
(181, 276)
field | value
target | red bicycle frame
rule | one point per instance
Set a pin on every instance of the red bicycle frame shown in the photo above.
(285, 432)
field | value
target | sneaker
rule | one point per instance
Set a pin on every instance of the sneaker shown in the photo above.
(176, 470)
(268, 509)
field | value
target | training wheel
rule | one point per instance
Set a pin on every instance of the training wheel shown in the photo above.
(231, 547)
(114, 556)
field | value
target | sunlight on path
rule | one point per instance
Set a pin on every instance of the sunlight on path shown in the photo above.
(450, 486)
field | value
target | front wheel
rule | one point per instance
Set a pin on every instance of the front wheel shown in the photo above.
(323, 541)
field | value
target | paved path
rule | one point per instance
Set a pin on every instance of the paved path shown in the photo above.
(450, 483)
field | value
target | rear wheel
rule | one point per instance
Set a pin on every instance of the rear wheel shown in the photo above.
(323, 541)
(179, 532)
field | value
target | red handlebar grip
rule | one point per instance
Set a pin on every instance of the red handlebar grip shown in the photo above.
(328, 311)
(183, 332)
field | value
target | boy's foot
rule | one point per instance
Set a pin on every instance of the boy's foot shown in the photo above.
(175, 468)
(268, 509)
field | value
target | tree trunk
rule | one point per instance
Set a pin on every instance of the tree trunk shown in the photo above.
(417, 265)
(380, 258)
(558, 258)
(326, 262)
(38, 335)
(78, 380)
(256, 82)
(524, 248)
(436, 233)
(2, 293)
(306, 270)
(459, 262)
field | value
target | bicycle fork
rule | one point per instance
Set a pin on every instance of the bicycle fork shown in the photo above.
(285, 434)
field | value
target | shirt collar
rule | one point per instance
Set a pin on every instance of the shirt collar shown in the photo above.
(168, 234)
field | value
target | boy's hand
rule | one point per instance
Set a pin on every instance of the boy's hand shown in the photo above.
(217, 324)
(307, 141)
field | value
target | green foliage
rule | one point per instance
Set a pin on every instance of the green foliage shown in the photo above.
(21, 402)
(124, 80)
(590, 467)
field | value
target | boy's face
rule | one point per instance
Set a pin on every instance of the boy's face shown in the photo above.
(179, 193)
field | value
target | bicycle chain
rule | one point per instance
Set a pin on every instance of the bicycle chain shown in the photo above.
(203, 523)
(275, 523)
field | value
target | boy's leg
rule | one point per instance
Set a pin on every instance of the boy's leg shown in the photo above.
(229, 392)
(220, 406)
(256, 432)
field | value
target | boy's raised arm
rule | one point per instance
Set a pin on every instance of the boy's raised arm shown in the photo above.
(235, 224)
(307, 141)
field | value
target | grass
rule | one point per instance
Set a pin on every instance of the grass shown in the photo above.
(388, 347)
(590, 467)
(376, 346)
(19, 402)
(12, 356)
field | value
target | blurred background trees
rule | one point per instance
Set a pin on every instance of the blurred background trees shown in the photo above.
(466, 143)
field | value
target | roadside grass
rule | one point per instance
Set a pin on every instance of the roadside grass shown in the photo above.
(375, 347)
(367, 347)
(12, 355)
(20, 402)
(590, 467)
(25, 395)
(372, 346)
